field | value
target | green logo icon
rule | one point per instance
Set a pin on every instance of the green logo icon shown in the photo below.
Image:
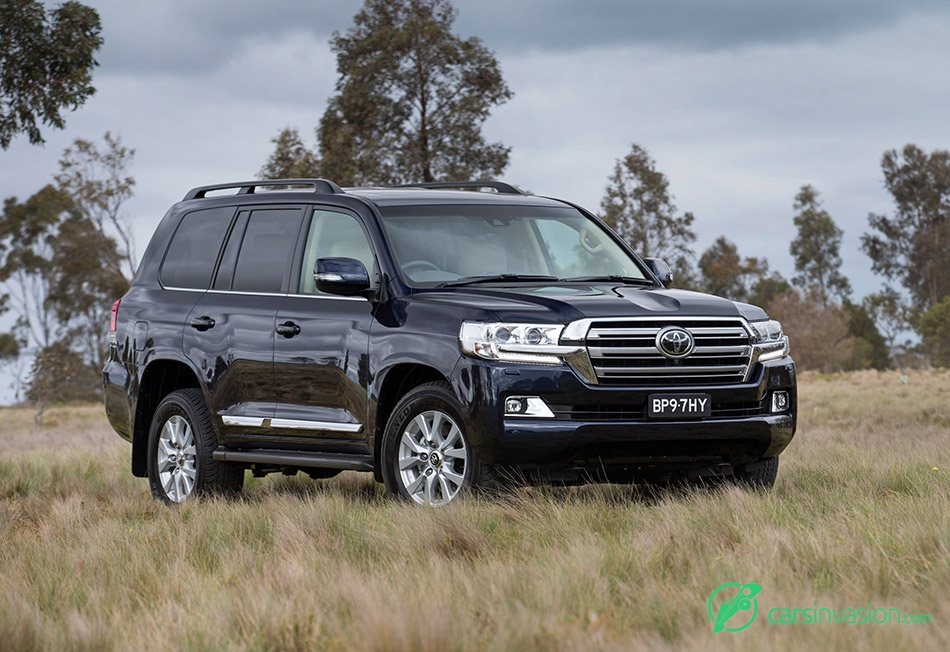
(735, 598)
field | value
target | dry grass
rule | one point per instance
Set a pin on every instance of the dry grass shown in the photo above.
(861, 513)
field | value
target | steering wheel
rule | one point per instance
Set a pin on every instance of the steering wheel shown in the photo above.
(585, 237)
(419, 266)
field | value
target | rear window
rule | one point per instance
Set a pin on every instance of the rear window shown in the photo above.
(267, 250)
(193, 251)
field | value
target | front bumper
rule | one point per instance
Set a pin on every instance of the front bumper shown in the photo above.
(605, 430)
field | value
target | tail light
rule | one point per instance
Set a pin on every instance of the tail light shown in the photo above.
(114, 316)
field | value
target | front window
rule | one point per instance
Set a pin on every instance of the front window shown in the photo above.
(441, 244)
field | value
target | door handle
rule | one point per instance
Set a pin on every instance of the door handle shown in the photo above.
(202, 323)
(288, 329)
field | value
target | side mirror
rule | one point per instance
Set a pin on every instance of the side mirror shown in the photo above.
(660, 269)
(343, 276)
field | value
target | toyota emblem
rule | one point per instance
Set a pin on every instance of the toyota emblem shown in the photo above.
(675, 342)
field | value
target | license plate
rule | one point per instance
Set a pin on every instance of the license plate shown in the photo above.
(678, 406)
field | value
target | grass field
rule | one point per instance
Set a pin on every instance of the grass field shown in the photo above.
(860, 514)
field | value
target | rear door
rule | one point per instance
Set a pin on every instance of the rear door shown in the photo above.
(229, 334)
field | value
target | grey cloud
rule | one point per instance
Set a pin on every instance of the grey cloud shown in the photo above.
(188, 37)
(699, 25)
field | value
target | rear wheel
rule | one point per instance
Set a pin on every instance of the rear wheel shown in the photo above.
(180, 446)
(426, 456)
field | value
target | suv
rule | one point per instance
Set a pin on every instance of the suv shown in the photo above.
(439, 338)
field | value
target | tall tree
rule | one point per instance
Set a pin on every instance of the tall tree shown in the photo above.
(291, 159)
(46, 63)
(726, 273)
(913, 246)
(411, 99)
(816, 248)
(99, 184)
(639, 207)
(53, 268)
(84, 287)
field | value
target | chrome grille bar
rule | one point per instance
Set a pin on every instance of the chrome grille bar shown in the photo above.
(623, 352)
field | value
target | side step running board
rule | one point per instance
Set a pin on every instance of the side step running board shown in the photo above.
(296, 458)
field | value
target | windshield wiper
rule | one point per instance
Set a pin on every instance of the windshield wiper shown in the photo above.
(610, 278)
(474, 280)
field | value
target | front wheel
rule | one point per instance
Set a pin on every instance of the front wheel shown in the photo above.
(758, 475)
(426, 455)
(180, 447)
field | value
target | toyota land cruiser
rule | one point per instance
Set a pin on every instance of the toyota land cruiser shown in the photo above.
(436, 337)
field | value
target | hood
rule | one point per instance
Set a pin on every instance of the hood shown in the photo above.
(564, 304)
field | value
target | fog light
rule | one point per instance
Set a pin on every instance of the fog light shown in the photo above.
(515, 405)
(527, 406)
(779, 401)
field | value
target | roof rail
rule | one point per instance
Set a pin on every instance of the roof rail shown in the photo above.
(498, 186)
(249, 187)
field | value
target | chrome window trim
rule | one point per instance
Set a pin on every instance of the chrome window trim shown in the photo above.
(268, 294)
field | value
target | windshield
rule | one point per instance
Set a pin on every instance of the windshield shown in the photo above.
(439, 244)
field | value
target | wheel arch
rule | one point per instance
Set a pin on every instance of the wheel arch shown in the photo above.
(397, 382)
(160, 378)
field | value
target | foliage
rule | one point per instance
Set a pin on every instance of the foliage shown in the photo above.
(98, 182)
(639, 207)
(934, 328)
(60, 275)
(871, 351)
(9, 346)
(893, 317)
(817, 329)
(26, 268)
(46, 64)
(83, 288)
(913, 246)
(767, 289)
(60, 375)
(290, 159)
(411, 99)
(816, 247)
(726, 274)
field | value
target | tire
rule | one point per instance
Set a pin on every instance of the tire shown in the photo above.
(426, 455)
(180, 446)
(759, 475)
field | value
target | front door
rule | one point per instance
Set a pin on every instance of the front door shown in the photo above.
(321, 344)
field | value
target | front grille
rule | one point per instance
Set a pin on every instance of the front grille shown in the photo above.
(624, 353)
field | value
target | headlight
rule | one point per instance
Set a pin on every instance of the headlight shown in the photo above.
(531, 343)
(768, 340)
(766, 331)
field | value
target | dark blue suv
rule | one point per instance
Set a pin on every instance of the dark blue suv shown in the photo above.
(442, 337)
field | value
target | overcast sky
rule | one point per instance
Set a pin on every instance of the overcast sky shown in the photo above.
(740, 102)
